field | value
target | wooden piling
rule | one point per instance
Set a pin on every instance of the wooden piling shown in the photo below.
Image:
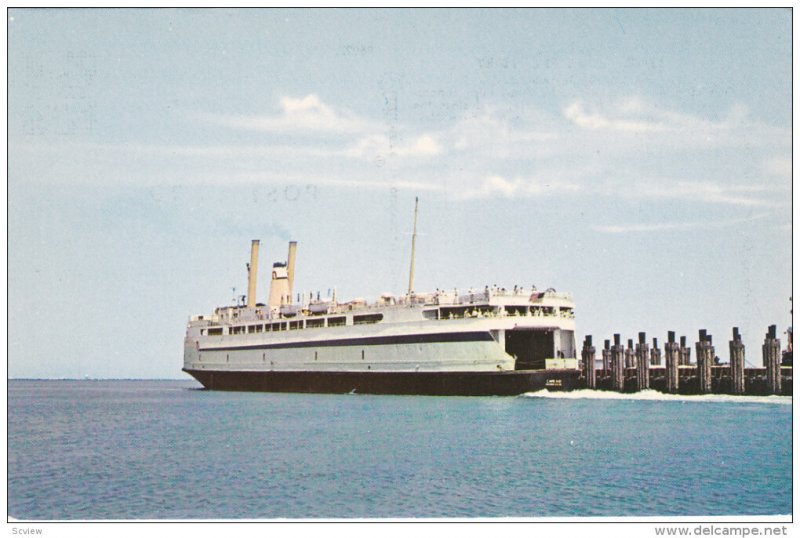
(771, 351)
(617, 365)
(655, 354)
(630, 355)
(588, 362)
(606, 356)
(686, 353)
(672, 357)
(705, 358)
(612, 366)
(642, 364)
(737, 363)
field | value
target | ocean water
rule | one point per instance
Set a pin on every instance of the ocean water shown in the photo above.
(101, 450)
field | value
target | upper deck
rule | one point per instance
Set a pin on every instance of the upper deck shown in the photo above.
(440, 305)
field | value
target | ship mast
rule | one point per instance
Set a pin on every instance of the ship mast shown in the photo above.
(413, 249)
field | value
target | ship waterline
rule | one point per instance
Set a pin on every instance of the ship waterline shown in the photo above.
(506, 383)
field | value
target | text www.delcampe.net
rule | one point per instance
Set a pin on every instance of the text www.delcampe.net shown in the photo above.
(715, 530)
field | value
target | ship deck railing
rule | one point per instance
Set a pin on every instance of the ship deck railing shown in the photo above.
(449, 304)
(361, 317)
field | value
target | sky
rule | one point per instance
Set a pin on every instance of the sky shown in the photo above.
(639, 159)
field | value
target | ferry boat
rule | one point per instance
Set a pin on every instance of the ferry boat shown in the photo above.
(483, 341)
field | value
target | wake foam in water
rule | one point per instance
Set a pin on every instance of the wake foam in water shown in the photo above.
(654, 395)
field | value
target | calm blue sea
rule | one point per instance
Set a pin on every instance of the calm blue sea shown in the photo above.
(166, 450)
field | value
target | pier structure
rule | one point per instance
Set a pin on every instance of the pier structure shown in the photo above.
(672, 357)
(642, 364)
(632, 368)
(772, 360)
(655, 354)
(737, 363)
(587, 354)
(705, 358)
(617, 365)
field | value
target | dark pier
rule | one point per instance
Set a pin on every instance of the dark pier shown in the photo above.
(638, 367)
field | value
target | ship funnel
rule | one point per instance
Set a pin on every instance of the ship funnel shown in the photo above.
(280, 288)
(290, 265)
(252, 274)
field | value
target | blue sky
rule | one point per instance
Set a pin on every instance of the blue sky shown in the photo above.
(639, 159)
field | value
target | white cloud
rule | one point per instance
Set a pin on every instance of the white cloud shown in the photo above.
(330, 179)
(307, 113)
(597, 121)
(378, 145)
(634, 228)
(424, 145)
(669, 226)
(496, 185)
(305, 104)
(707, 191)
(780, 167)
(488, 132)
(659, 126)
(631, 148)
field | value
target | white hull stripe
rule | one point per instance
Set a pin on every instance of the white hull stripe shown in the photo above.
(474, 336)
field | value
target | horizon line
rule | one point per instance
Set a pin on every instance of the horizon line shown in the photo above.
(89, 378)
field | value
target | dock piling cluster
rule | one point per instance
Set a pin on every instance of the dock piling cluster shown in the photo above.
(636, 368)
